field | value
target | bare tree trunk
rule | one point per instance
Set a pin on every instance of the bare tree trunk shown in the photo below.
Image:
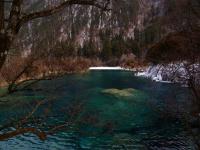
(1, 15)
(4, 47)
(17, 19)
(3, 41)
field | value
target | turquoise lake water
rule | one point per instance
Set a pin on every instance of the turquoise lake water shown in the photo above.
(117, 111)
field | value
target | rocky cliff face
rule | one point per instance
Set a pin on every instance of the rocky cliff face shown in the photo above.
(80, 24)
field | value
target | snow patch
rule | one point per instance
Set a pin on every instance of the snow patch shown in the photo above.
(170, 73)
(106, 68)
(111, 68)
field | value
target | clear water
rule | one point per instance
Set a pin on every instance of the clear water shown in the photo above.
(149, 117)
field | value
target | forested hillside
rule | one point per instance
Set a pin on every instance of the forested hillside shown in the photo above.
(129, 33)
(86, 31)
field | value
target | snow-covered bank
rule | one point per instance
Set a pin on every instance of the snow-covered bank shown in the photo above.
(154, 75)
(170, 73)
(153, 72)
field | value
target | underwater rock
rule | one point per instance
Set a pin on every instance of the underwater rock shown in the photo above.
(120, 93)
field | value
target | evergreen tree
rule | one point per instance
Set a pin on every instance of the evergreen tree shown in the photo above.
(133, 46)
(107, 49)
(118, 45)
(88, 50)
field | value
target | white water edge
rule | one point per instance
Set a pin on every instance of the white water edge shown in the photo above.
(137, 73)
(111, 68)
(157, 73)
(154, 77)
(106, 68)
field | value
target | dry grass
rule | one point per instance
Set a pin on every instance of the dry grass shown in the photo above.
(43, 67)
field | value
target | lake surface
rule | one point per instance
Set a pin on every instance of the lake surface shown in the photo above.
(109, 110)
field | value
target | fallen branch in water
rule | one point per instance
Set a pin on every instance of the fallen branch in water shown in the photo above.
(5, 136)
(21, 126)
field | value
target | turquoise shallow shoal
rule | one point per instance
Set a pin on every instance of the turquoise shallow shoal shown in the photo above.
(118, 111)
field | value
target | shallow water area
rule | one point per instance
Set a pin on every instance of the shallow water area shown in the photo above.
(118, 111)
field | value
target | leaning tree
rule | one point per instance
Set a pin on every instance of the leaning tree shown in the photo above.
(10, 26)
(11, 20)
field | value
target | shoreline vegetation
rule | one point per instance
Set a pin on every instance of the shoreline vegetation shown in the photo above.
(28, 71)
(18, 69)
(154, 72)
(52, 74)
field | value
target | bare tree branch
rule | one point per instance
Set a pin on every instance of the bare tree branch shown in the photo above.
(55, 9)
(20, 131)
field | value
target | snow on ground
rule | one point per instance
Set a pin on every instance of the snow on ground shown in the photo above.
(170, 73)
(152, 75)
(106, 68)
(150, 72)
(111, 68)
(161, 73)
(153, 72)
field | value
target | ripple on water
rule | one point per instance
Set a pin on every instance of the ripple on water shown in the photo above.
(123, 120)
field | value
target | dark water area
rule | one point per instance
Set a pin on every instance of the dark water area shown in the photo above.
(118, 111)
